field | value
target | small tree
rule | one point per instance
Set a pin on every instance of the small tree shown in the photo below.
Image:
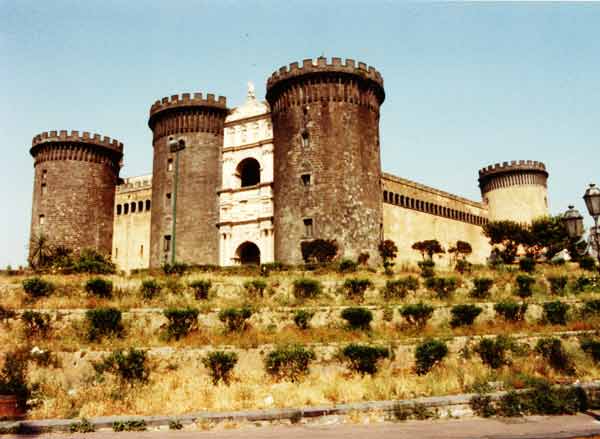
(131, 367)
(417, 314)
(399, 288)
(235, 319)
(305, 288)
(357, 318)
(355, 288)
(555, 313)
(444, 287)
(524, 284)
(511, 310)
(464, 315)
(363, 358)
(181, 321)
(289, 362)
(481, 287)
(36, 287)
(428, 247)
(552, 350)
(99, 287)
(388, 251)
(302, 318)
(508, 235)
(220, 364)
(428, 354)
(103, 322)
(493, 351)
(201, 288)
(36, 324)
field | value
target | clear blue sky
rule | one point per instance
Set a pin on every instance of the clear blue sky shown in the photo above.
(468, 84)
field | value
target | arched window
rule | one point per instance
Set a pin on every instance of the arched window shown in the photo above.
(148, 204)
(248, 253)
(133, 207)
(125, 209)
(248, 171)
(118, 209)
(385, 196)
(140, 206)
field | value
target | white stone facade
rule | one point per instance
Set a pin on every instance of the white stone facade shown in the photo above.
(246, 198)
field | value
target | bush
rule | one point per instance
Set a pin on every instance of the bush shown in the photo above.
(302, 318)
(130, 367)
(557, 284)
(399, 288)
(511, 311)
(555, 313)
(37, 287)
(493, 351)
(133, 425)
(587, 263)
(428, 354)
(319, 250)
(552, 350)
(363, 358)
(587, 283)
(463, 266)
(99, 287)
(93, 262)
(592, 348)
(527, 264)
(417, 314)
(481, 287)
(305, 288)
(388, 251)
(255, 287)
(289, 362)
(347, 266)
(220, 364)
(591, 308)
(266, 269)
(181, 322)
(427, 268)
(355, 288)
(464, 315)
(36, 324)
(363, 258)
(524, 284)
(442, 286)
(103, 322)
(235, 318)
(176, 268)
(150, 288)
(84, 426)
(6, 314)
(482, 405)
(357, 318)
(201, 288)
(13, 378)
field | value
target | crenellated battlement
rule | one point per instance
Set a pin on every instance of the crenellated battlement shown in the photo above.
(321, 65)
(512, 166)
(77, 137)
(188, 100)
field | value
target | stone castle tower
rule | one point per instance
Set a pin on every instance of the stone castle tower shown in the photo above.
(196, 124)
(326, 156)
(74, 188)
(516, 191)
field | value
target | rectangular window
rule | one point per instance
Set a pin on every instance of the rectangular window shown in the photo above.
(44, 188)
(168, 199)
(308, 227)
(140, 206)
(118, 209)
(42, 220)
(169, 165)
(167, 243)
(133, 207)
(44, 174)
(125, 209)
(305, 179)
(148, 204)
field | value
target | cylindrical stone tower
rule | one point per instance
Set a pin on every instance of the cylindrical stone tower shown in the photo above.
(327, 166)
(196, 124)
(74, 189)
(515, 191)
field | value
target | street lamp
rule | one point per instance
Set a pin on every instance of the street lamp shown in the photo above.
(175, 146)
(592, 202)
(573, 221)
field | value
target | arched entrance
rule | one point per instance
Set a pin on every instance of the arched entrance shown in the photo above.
(248, 253)
(248, 172)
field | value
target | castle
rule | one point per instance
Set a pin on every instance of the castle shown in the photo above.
(249, 184)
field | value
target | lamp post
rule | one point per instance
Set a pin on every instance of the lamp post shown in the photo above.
(175, 147)
(592, 202)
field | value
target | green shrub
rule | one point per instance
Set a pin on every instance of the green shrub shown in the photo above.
(36, 287)
(181, 322)
(511, 311)
(417, 314)
(130, 367)
(99, 287)
(482, 405)
(266, 269)
(444, 287)
(103, 322)
(347, 266)
(201, 288)
(133, 425)
(552, 350)
(428, 354)
(220, 364)
(318, 250)
(363, 259)
(150, 288)
(176, 268)
(399, 288)
(591, 308)
(84, 426)
(527, 264)
(91, 261)
(305, 288)
(363, 358)
(302, 318)
(255, 287)
(420, 412)
(36, 324)
(357, 317)
(463, 266)
(592, 348)
(492, 351)
(524, 284)
(587, 283)
(557, 284)
(555, 313)
(427, 268)
(464, 315)
(388, 251)
(587, 263)
(13, 377)
(289, 362)
(174, 285)
(175, 424)
(235, 319)
(481, 287)
(355, 288)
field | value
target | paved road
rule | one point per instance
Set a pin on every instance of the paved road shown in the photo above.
(533, 427)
